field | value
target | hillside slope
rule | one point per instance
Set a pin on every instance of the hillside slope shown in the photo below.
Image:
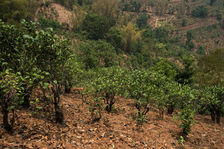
(115, 130)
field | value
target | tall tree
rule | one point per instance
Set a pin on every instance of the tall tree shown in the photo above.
(130, 37)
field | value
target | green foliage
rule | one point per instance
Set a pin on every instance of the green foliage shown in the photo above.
(200, 11)
(212, 2)
(16, 10)
(187, 118)
(201, 50)
(127, 7)
(161, 34)
(45, 64)
(9, 93)
(95, 26)
(148, 32)
(130, 37)
(46, 23)
(166, 91)
(185, 75)
(97, 54)
(109, 83)
(188, 107)
(142, 21)
(132, 6)
(184, 22)
(189, 42)
(212, 99)
(139, 88)
(211, 69)
(109, 9)
(219, 15)
(166, 68)
(113, 37)
(95, 108)
(210, 77)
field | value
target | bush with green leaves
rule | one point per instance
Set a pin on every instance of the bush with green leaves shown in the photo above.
(95, 26)
(200, 11)
(15, 10)
(113, 36)
(109, 83)
(188, 106)
(56, 62)
(161, 34)
(46, 23)
(139, 87)
(212, 99)
(142, 21)
(95, 108)
(45, 64)
(97, 54)
(167, 90)
(166, 94)
(9, 96)
(15, 51)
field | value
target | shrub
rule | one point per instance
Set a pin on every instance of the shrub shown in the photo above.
(95, 26)
(200, 11)
(142, 21)
(46, 23)
(139, 88)
(9, 91)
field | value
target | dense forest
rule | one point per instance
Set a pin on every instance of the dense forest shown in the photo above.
(161, 57)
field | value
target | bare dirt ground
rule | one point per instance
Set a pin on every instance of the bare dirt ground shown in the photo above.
(115, 130)
(56, 12)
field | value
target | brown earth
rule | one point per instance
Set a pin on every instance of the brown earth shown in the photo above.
(56, 12)
(115, 130)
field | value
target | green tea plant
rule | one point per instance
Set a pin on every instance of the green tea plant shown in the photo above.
(212, 99)
(47, 64)
(166, 90)
(109, 83)
(140, 89)
(9, 91)
(188, 107)
(95, 108)
(165, 94)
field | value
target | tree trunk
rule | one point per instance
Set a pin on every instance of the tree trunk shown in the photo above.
(58, 113)
(67, 87)
(27, 93)
(110, 102)
(5, 113)
(218, 116)
(44, 94)
(26, 101)
(7, 126)
(212, 115)
(170, 109)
